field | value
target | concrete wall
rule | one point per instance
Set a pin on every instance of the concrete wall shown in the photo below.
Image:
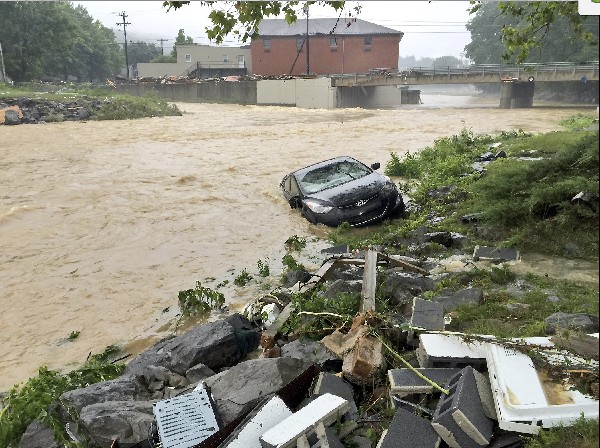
(306, 93)
(314, 93)
(243, 92)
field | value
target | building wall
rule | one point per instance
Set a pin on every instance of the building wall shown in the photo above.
(160, 69)
(306, 93)
(350, 55)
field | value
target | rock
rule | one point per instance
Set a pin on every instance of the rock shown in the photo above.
(576, 321)
(239, 389)
(157, 378)
(403, 287)
(215, 344)
(11, 117)
(121, 389)
(495, 254)
(334, 289)
(38, 435)
(198, 373)
(452, 300)
(313, 351)
(442, 238)
(126, 421)
(572, 250)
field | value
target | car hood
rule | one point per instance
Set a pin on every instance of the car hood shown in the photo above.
(351, 192)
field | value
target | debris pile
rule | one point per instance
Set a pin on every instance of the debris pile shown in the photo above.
(252, 381)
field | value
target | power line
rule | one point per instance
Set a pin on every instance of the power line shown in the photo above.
(161, 40)
(124, 23)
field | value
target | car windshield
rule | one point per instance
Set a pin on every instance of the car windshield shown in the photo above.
(333, 175)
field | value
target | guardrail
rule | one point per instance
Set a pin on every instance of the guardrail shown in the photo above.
(478, 73)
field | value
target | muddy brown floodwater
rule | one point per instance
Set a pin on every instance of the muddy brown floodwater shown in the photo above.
(103, 223)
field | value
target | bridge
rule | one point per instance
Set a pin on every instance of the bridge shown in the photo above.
(473, 74)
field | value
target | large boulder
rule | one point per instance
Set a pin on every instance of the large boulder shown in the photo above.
(126, 421)
(239, 389)
(38, 435)
(453, 299)
(121, 389)
(401, 287)
(215, 344)
(576, 321)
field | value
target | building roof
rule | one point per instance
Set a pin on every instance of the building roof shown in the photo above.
(353, 26)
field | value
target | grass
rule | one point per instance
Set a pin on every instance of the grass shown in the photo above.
(103, 103)
(582, 434)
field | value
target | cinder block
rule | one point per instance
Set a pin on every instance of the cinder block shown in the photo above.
(450, 351)
(329, 383)
(263, 418)
(459, 418)
(427, 315)
(408, 430)
(399, 403)
(485, 394)
(324, 409)
(327, 438)
(404, 382)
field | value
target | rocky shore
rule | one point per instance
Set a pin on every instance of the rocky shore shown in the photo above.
(14, 111)
(246, 361)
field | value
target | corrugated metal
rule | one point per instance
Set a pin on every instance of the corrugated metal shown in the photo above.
(279, 27)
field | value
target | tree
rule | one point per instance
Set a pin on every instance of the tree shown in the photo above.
(510, 31)
(242, 18)
(55, 39)
(181, 39)
(525, 23)
(446, 61)
(142, 52)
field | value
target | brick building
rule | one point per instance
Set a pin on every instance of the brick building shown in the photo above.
(334, 47)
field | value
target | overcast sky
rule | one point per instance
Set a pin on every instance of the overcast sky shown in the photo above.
(431, 29)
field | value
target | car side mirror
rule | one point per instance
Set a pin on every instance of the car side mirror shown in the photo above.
(294, 202)
(376, 166)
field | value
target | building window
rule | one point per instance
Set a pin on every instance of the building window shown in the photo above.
(333, 41)
(299, 43)
(188, 58)
(368, 41)
(225, 58)
(267, 44)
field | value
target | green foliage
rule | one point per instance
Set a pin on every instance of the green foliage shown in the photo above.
(511, 31)
(56, 39)
(243, 278)
(142, 52)
(74, 335)
(242, 18)
(31, 400)
(579, 121)
(123, 107)
(582, 434)
(263, 268)
(181, 39)
(535, 209)
(291, 264)
(199, 301)
(295, 243)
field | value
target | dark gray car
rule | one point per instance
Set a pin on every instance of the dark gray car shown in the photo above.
(342, 190)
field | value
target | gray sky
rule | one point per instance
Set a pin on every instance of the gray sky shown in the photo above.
(431, 29)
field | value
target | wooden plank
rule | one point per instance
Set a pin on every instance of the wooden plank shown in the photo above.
(403, 264)
(369, 284)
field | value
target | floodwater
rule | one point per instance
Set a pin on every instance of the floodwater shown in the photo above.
(103, 223)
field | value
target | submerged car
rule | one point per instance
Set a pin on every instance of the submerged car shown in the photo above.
(342, 190)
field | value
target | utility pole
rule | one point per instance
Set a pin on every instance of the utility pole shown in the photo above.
(307, 51)
(124, 16)
(162, 51)
(2, 72)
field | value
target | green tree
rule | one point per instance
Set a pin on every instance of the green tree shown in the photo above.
(57, 39)
(446, 61)
(524, 24)
(532, 32)
(142, 52)
(181, 39)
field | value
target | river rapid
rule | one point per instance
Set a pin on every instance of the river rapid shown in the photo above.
(103, 223)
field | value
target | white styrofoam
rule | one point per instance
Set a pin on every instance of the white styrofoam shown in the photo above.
(449, 345)
(520, 398)
(272, 413)
(326, 408)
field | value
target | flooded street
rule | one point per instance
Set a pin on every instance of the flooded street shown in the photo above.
(103, 223)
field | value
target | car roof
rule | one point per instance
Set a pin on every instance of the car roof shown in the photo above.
(327, 162)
